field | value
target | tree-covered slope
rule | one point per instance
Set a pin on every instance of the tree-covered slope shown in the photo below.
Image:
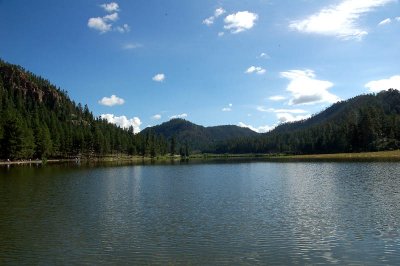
(198, 138)
(363, 123)
(37, 120)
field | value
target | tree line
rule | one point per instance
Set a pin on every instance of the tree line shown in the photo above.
(38, 120)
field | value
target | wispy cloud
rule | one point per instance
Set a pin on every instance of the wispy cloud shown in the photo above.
(210, 20)
(240, 21)
(156, 117)
(384, 84)
(123, 121)
(228, 108)
(339, 20)
(273, 110)
(184, 115)
(307, 89)
(256, 70)
(264, 56)
(111, 101)
(159, 77)
(130, 46)
(277, 98)
(385, 22)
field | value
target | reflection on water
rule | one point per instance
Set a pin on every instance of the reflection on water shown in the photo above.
(242, 213)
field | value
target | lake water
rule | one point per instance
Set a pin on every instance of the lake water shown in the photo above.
(208, 214)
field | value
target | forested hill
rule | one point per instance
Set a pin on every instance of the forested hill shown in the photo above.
(198, 138)
(38, 120)
(363, 123)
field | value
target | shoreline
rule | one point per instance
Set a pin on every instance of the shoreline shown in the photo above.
(362, 156)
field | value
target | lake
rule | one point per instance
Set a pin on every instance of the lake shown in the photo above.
(213, 213)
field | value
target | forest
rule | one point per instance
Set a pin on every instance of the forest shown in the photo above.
(39, 120)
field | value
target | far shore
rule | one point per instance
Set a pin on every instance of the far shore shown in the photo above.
(362, 156)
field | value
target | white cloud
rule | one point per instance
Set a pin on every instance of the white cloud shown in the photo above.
(123, 121)
(384, 84)
(184, 115)
(208, 21)
(219, 11)
(277, 98)
(130, 46)
(111, 101)
(339, 20)
(240, 21)
(306, 89)
(221, 33)
(124, 28)
(111, 7)
(273, 110)
(99, 24)
(264, 56)
(287, 117)
(111, 17)
(159, 77)
(156, 117)
(397, 19)
(385, 22)
(105, 23)
(227, 109)
(254, 69)
(261, 129)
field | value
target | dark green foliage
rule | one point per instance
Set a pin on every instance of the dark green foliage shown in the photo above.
(197, 138)
(38, 120)
(363, 123)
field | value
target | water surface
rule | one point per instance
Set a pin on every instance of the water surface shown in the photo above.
(214, 213)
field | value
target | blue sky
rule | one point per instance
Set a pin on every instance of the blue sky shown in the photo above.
(254, 63)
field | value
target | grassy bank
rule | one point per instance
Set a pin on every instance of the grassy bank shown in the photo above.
(380, 155)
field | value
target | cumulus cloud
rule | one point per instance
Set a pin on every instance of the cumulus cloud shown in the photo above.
(210, 20)
(339, 20)
(159, 77)
(111, 17)
(306, 89)
(123, 121)
(384, 84)
(240, 21)
(184, 115)
(105, 24)
(156, 117)
(261, 129)
(111, 101)
(99, 24)
(397, 19)
(287, 117)
(221, 33)
(277, 98)
(110, 7)
(385, 22)
(254, 69)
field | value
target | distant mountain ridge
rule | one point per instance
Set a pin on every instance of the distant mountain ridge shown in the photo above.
(198, 137)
